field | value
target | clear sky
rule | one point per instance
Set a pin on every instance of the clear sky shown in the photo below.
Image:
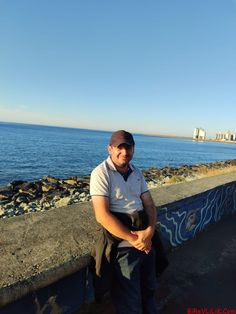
(155, 66)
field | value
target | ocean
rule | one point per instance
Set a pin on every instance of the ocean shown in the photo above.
(28, 152)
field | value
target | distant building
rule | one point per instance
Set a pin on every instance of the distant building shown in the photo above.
(199, 134)
(228, 136)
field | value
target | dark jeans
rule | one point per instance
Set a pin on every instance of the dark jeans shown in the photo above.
(133, 289)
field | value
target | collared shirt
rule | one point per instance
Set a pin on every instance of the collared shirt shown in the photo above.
(124, 196)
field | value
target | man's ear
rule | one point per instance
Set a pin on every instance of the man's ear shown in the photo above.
(109, 148)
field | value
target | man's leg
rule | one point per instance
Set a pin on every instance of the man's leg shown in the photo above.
(149, 284)
(126, 289)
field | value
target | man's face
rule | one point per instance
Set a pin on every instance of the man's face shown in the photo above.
(121, 155)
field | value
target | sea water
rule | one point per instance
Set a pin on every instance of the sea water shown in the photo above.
(28, 152)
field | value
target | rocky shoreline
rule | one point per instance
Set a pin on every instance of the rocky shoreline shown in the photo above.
(20, 197)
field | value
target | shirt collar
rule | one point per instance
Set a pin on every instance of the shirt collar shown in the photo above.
(112, 166)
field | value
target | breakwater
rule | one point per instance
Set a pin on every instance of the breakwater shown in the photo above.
(20, 197)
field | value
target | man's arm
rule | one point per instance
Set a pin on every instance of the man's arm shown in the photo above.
(109, 221)
(145, 236)
(112, 224)
(150, 209)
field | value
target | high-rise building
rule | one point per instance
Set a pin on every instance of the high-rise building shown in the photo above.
(199, 134)
(227, 136)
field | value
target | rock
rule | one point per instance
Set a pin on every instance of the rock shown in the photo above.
(23, 205)
(151, 185)
(233, 162)
(2, 211)
(77, 193)
(48, 187)
(3, 197)
(5, 194)
(71, 181)
(56, 199)
(63, 202)
(27, 209)
(86, 180)
(10, 211)
(9, 205)
(32, 207)
(46, 205)
(45, 199)
(167, 179)
(50, 179)
(15, 184)
(76, 200)
(21, 198)
(19, 211)
(84, 197)
(33, 189)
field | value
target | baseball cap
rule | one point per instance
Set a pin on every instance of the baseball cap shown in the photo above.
(121, 137)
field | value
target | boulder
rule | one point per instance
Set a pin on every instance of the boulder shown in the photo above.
(48, 187)
(71, 181)
(63, 202)
(2, 211)
(15, 184)
(233, 162)
(21, 198)
(5, 194)
(49, 179)
(31, 188)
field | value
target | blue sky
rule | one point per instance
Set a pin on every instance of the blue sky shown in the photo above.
(157, 67)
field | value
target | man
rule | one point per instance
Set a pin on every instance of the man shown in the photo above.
(121, 201)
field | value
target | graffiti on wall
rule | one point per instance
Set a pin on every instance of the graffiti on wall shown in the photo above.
(182, 220)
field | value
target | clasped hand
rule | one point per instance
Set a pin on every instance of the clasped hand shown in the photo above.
(143, 241)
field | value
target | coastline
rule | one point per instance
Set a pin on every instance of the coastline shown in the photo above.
(21, 197)
(190, 138)
(170, 136)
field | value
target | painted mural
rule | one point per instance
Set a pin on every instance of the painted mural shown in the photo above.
(183, 219)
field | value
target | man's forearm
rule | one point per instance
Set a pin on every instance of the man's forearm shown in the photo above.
(115, 227)
(152, 215)
(108, 220)
(150, 209)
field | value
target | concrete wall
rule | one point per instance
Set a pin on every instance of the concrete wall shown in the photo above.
(182, 220)
(44, 257)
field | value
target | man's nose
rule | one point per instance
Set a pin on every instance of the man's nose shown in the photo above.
(124, 150)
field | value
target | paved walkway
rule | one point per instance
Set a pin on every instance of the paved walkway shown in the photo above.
(202, 272)
(201, 275)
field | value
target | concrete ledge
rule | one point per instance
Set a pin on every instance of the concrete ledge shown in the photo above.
(172, 193)
(40, 248)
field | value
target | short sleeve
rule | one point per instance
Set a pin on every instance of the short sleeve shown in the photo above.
(99, 183)
(144, 187)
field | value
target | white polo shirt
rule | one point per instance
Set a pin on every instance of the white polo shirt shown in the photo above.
(124, 196)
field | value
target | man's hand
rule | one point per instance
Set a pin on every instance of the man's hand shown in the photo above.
(144, 239)
(145, 236)
(141, 240)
